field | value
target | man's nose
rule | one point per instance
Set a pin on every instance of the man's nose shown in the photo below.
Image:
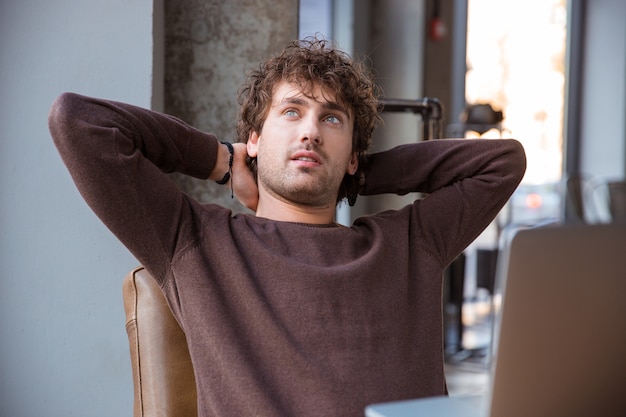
(311, 131)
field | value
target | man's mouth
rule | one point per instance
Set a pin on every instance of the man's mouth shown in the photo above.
(306, 156)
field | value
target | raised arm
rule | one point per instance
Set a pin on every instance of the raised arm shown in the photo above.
(467, 181)
(118, 156)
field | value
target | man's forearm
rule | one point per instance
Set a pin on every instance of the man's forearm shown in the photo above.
(79, 125)
(428, 166)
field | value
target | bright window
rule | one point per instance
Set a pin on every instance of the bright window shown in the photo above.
(516, 63)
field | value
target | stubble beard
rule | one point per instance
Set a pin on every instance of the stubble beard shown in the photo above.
(302, 186)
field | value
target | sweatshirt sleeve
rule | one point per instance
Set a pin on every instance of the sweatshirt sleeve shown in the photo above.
(118, 156)
(466, 182)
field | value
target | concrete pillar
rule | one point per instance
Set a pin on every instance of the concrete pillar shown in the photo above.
(395, 46)
(209, 44)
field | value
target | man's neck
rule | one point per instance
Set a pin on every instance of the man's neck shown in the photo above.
(275, 209)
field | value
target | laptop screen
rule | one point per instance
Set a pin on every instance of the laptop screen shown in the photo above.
(561, 335)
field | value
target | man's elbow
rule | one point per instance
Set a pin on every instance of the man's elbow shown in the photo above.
(518, 160)
(60, 117)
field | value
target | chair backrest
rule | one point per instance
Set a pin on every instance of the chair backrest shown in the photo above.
(163, 378)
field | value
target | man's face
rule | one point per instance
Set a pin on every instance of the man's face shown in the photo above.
(305, 146)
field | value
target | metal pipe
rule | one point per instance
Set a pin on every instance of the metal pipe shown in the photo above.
(429, 108)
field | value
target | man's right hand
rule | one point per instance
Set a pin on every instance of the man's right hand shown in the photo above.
(243, 182)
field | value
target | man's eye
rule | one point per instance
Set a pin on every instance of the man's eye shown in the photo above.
(333, 119)
(290, 113)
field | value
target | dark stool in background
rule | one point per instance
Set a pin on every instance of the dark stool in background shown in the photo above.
(454, 280)
(486, 261)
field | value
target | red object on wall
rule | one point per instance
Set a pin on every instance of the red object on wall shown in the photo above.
(436, 27)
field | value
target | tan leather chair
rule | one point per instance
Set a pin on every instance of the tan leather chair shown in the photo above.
(163, 377)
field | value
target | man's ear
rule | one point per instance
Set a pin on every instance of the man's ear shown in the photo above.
(252, 145)
(353, 164)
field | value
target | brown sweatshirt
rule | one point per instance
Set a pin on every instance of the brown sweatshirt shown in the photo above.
(289, 319)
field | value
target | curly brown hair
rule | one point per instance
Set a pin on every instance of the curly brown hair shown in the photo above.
(308, 63)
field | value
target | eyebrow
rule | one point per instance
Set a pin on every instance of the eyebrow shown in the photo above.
(327, 105)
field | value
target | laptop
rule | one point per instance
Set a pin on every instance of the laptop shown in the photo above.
(559, 345)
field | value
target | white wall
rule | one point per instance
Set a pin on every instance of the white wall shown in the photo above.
(63, 346)
(603, 127)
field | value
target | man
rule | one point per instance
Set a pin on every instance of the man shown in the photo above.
(287, 313)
